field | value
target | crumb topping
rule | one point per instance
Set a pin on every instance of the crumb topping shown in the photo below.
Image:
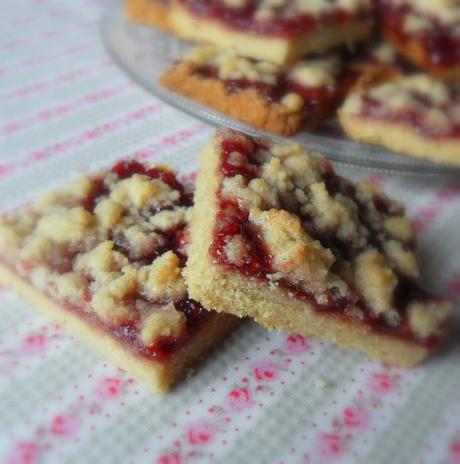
(167, 322)
(428, 318)
(319, 72)
(110, 246)
(347, 248)
(230, 66)
(162, 280)
(376, 281)
(384, 53)
(295, 255)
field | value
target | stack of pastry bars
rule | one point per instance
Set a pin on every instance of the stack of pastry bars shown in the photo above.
(390, 67)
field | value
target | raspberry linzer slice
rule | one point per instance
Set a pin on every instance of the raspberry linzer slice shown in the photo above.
(149, 12)
(104, 258)
(278, 236)
(281, 31)
(427, 32)
(259, 93)
(416, 115)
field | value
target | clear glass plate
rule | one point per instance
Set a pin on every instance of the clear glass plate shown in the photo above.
(144, 53)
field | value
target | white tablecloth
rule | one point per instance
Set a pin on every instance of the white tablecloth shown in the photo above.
(263, 397)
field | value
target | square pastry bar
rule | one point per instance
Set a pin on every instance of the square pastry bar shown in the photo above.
(417, 115)
(278, 31)
(104, 258)
(278, 236)
(259, 93)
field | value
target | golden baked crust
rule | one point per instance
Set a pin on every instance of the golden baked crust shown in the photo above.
(104, 257)
(276, 49)
(247, 106)
(150, 12)
(438, 113)
(276, 306)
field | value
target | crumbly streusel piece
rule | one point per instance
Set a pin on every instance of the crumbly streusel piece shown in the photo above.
(417, 115)
(104, 257)
(278, 236)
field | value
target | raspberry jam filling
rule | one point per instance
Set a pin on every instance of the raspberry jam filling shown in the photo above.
(376, 109)
(174, 239)
(319, 102)
(232, 220)
(286, 21)
(440, 44)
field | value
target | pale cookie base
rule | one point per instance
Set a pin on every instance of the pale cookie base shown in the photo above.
(246, 106)
(271, 306)
(399, 138)
(275, 49)
(159, 377)
(150, 12)
(415, 53)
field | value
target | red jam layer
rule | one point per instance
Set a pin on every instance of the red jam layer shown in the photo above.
(319, 101)
(285, 23)
(232, 220)
(440, 45)
(373, 108)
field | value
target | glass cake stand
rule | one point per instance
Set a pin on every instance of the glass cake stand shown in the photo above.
(144, 53)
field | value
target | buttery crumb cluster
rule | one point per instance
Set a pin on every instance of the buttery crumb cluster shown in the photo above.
(111, 247)
(284, 215)
(420, 101)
